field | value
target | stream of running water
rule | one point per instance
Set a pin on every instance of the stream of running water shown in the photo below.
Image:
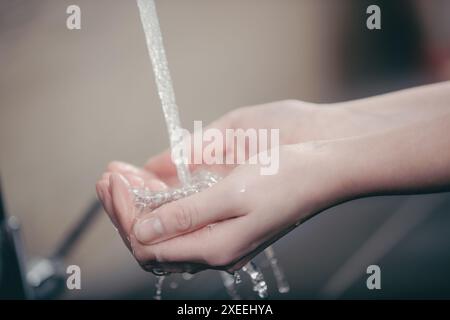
(147, 200)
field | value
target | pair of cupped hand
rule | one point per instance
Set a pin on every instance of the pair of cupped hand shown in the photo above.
(224, 226)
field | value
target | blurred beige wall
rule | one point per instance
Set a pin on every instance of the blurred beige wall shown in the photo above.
(71, 101)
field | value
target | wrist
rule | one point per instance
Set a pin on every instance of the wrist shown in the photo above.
(349, 161)
(322, 176)
(342, 120)
(328, 121)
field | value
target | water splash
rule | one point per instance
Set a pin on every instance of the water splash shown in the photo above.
(278, 273)
(229, 282)
(187, 276)
(259, 284)
(147, 200)
(237, 277)
(159, 287)
(173, 285)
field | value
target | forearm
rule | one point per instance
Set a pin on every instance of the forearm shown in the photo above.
(380, 113)
(412, 159)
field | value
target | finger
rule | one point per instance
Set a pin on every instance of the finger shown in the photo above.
(162, 165)
(121, 209)
(151, 184)
(216, 245)
(126, 168)
(164, 168)
(105, 189)
(134, 180)
(103, 194)
(136, 176)
(155, 185)
(123, 202)
(187, 214)
(105, 176)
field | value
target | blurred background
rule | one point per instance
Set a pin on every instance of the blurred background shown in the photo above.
(73, 100)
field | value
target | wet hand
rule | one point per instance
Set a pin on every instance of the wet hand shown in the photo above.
(225, 226)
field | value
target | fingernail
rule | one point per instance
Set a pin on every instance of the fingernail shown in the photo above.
(148, 230)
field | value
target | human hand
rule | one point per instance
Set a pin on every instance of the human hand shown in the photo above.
(296, 122)
(225, 226)
(375, 160)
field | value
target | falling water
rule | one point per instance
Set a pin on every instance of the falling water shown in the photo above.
(158, 287)
(151, 200)
(155, 47)
(259, 284)
(229, 282)
(237, 278)
(280, 278)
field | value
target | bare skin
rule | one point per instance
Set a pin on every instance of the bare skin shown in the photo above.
(395, 143)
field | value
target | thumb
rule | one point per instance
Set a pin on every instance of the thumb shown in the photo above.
(187, 214)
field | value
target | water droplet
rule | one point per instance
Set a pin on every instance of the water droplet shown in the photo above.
(159, 287)
(146, 200)
(259, 284)
(230, 285)
(237, 278)
(187, 276)
(280, 278)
